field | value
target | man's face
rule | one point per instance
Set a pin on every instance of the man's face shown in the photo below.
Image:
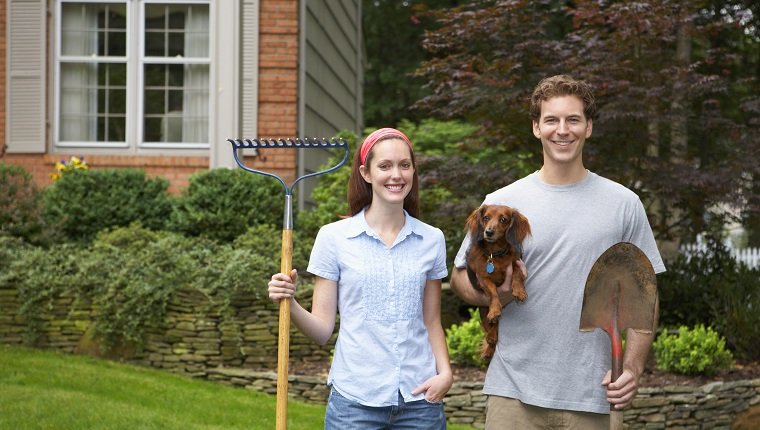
(562, 129)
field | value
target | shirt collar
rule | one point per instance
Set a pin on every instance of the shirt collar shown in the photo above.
(358, 225)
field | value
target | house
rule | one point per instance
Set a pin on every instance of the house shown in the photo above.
(161, 84)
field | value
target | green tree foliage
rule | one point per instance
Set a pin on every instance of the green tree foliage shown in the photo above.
(676, 84)
(83, 202)
(392, 34)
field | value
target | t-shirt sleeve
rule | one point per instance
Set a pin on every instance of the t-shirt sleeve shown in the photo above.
(640, 234)
(322, 261)
(459, 259)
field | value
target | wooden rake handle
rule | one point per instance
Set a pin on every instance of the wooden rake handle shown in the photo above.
(283, 345)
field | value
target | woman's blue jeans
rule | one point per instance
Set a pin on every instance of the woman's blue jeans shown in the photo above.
(345, 414)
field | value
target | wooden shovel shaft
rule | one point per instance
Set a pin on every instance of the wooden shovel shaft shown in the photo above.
(283, 344)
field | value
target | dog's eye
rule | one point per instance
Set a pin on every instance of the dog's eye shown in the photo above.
(486, 218)
(502, 220)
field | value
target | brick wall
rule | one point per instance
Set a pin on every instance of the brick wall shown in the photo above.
(278, 109)
(278, 82)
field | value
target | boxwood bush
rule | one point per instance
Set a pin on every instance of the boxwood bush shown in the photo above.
(222, 204)
(697, 351)
(83, 202)
(20, 204)
(466, 341)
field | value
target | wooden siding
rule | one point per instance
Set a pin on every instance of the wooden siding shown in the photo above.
(331, 73)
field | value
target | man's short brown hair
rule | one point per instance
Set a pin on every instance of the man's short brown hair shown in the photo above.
(562, 85)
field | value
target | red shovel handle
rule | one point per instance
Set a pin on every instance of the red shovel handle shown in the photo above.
(616, 416)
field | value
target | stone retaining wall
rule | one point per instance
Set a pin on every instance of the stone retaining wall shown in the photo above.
(194, 337)
(240, 349)
(717, 405)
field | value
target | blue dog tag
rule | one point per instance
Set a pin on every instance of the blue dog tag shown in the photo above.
(489, 267)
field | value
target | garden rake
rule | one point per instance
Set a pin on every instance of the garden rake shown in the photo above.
(286, 257)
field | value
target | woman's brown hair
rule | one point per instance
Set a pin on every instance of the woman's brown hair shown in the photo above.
(360, 191)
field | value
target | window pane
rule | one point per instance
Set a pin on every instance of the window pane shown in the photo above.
(176, 30)
(176, 101)
(154, 45)
(152, 129)
(155, 101)
(90, 29)
(176, 75)
(89, 99)
(176, 44)
(117, 126)
(154, 75)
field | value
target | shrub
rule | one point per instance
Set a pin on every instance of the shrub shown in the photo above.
(139, 271)
(466, 341)
(20, 204)
(11, 249)
(83, 202)
(43, 275)
(712, 288)
(130, 275)
(142, 270)
(699, 351)
(330, 194)
(265, 241)
(222, 203)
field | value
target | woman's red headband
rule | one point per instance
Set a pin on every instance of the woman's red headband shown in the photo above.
(378, 135)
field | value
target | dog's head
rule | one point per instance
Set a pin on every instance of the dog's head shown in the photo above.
(492, 223)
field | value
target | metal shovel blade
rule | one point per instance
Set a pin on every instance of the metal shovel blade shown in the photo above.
(621, 291)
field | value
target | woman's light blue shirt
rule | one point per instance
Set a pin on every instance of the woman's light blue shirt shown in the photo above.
(383, 346)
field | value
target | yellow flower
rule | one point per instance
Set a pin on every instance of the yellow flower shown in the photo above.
(74, 163)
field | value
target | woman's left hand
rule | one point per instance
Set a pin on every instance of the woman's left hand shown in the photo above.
(436, 387)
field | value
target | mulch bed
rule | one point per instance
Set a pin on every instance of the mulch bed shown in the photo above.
(650, 378)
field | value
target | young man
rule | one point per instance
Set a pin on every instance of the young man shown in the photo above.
(545, 373)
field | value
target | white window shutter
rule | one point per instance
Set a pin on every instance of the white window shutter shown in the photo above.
(25, 120)
(249, 27)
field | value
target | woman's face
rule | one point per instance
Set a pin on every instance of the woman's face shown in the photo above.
(390, 171)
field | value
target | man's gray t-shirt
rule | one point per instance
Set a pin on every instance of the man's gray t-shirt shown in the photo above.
(542, 358)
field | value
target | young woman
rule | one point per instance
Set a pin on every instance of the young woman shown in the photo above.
(381, 269)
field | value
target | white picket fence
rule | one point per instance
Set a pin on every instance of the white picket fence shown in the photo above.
(749, 256)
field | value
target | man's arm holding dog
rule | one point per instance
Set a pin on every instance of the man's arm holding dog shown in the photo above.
(462, 287)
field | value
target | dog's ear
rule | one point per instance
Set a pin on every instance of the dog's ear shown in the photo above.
(473, 224)
(518, 230)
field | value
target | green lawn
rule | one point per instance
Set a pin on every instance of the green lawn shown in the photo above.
(47, 390)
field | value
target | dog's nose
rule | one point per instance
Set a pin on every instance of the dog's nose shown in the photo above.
(489, 233)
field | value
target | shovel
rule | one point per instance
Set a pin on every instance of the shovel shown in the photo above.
(620, 293)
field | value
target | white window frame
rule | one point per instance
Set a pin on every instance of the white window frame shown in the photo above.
(135, 61)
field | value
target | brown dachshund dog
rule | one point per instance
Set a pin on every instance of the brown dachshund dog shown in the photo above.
(496, 234)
